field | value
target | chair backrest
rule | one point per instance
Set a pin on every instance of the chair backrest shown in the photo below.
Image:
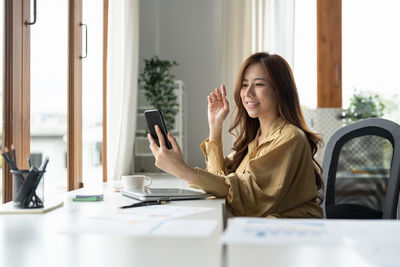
(370, 128)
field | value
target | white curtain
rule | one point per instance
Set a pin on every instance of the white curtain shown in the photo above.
(122, 69)
(273, 27)
(249, 26)
(234, 47)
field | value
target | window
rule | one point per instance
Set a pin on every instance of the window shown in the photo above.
(371, 53)
(44, 77)
(92, 93)
(305, 55)
(49, 88)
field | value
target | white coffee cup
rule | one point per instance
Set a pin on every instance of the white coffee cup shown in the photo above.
(135, 182)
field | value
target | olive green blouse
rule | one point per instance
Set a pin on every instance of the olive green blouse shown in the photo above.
(275, 178)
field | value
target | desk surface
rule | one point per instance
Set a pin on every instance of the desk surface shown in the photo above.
(37, 239)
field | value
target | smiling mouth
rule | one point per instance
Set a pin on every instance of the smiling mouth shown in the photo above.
(251, 104)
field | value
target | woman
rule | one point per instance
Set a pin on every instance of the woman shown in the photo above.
(272, 171)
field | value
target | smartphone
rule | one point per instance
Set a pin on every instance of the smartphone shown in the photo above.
(154, 117)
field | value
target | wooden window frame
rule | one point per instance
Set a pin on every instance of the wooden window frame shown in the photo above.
(74, 132)
(105, 45)
(329, 53)
(16, 100)
(74, 153)
(16, 97)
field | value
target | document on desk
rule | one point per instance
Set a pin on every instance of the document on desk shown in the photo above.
(361, 232)
(159, 212)
(261, 231)
(170, 228)
(147, 220)
(182, 228)
(378, 241)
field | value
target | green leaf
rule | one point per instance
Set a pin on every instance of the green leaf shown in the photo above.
(364, 106)
(158, 84)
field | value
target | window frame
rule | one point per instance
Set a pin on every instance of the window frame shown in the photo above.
(105, 45)
(16, 96)
(74, 117)
(329, 53)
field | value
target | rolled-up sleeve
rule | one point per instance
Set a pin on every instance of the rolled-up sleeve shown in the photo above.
(270, 179)
(211, 183)
(214, 156)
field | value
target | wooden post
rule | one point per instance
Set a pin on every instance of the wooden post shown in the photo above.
(329, 53)
(105, 46)
(74, 150)
(16, 101)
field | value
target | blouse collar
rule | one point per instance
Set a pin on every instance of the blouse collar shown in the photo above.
(273, 133)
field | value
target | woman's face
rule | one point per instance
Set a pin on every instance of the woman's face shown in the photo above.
(258, 97)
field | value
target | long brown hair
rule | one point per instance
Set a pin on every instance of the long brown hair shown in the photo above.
(288, 105)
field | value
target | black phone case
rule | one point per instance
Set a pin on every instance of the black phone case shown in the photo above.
(155, 117)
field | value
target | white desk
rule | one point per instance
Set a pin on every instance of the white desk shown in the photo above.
(36, 239)
(309, 243)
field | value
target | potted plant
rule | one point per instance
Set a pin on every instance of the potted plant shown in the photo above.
(158, 84)
(363, 106)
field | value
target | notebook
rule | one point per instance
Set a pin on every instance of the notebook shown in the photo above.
(9, 208)
(164, 193)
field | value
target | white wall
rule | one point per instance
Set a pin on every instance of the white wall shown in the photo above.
(185, 31)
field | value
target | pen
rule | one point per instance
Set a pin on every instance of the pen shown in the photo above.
(146, 203)
(29, 162)
(13, 155)
(86, 199)
(8, 158)
(44, 164)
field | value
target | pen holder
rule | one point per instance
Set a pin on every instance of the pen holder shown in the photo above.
(28, 189)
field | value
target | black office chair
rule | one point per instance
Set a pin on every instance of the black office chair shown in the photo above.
(361, 171)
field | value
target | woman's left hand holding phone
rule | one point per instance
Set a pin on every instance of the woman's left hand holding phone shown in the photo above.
(170, 160)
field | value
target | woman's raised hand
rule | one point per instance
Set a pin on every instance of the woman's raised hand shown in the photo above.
(218, 109)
